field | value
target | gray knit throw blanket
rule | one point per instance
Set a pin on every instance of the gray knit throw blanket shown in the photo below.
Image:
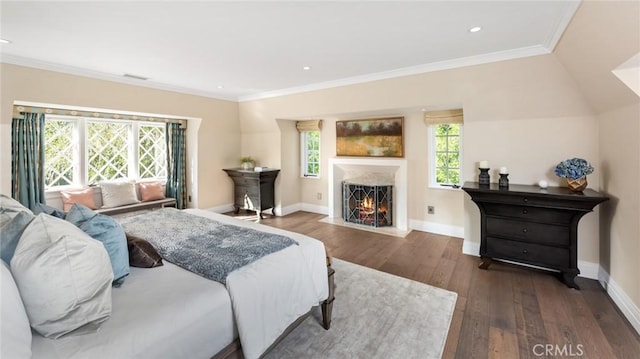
(202, 245)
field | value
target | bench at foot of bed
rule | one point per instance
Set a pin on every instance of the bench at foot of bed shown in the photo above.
(327, 305)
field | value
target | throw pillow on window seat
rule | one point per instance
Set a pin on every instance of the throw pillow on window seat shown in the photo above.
(151, 191)
(83, 197)
(118, 193)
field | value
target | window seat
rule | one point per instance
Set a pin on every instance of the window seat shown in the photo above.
(54, 199)
(160, 203)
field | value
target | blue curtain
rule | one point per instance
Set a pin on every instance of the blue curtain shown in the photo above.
(27, 159)
(176, 164)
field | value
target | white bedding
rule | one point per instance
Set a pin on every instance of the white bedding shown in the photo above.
(168, 312)
(272, 292)
(162, 312)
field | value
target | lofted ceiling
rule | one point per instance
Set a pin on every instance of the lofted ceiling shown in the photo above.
(248, 50)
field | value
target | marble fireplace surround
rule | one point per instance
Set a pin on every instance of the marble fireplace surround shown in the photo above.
(352, 167)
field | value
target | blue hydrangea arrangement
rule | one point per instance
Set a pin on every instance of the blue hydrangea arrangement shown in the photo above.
(573, 168)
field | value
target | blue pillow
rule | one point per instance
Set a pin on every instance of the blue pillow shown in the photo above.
(10, 234)
(109, 232)
(52, 211)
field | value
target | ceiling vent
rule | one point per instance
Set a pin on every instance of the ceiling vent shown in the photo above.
(136, 77)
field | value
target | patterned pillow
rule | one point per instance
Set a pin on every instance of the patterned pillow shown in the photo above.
(116, 194)
(83, 197)
(151, 191)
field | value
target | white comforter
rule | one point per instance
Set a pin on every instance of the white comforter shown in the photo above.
(168, 312)
(272, 292)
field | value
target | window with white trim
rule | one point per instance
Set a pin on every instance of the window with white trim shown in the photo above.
(445, 154)
(310, 153)
(82, 151)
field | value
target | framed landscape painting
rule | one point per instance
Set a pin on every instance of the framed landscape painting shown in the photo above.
(376, 137)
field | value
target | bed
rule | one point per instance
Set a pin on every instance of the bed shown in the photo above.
(170, 312)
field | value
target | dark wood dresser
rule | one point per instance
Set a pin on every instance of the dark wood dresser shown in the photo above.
(531, 225)
(253, 190)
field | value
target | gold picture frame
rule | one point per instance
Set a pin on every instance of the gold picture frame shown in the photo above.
(372, 137)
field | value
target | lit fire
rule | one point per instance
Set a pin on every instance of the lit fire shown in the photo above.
(367, 203)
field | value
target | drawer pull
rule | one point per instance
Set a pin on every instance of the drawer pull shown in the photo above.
(524, 211)
(526, 199)
(524, 230)
(524, 251)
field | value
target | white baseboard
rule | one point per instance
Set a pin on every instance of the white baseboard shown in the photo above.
(587, 269)
(628, 308)
(314, 208)
(283, 211)
(222, 208)
(437, 228)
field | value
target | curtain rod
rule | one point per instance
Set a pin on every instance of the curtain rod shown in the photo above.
(19, 109)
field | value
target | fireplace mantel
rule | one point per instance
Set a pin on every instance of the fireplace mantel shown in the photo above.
(338, 167)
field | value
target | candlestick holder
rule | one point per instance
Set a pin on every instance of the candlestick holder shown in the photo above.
(483, 177)
(503, 182)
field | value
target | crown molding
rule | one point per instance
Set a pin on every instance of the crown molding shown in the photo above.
(561, 25)
(407, 71)
(49, 66)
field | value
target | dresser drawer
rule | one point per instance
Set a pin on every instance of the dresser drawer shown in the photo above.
(555, 235)
(536, 214)
(530, 253)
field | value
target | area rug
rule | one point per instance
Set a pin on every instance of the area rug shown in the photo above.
(375, 315)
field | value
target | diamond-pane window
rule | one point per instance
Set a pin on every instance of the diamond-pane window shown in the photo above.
(59, 152)
(81, 151)
(107, 150)
(152, 155)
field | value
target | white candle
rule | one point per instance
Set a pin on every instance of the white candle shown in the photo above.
(503, 170)
(484, 164)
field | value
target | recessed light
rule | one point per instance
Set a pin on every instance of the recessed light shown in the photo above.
(306, 68)
(220, 86)
(3, 41)
(475, 29)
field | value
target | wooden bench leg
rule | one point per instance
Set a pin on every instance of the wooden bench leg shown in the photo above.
(327, 305)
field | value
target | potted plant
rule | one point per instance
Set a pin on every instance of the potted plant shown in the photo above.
(247, 162)
(575, 171)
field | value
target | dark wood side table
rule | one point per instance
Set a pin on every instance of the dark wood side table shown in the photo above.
(253, 190)
(531, 225)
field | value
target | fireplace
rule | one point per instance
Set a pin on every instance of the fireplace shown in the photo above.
(367, 204)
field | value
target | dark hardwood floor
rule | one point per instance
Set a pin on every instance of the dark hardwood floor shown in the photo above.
(505, 312)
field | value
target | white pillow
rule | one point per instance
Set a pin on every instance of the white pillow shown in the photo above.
(115, 194)
(64, 277)
(15, 330)
(9, 208)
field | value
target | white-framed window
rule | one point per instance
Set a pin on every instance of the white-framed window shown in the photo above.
(445, 155)
(83, 151)
(310, 153)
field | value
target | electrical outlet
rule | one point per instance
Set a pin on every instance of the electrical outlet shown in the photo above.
(319, 195)
(431, 210)
(189, 198)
